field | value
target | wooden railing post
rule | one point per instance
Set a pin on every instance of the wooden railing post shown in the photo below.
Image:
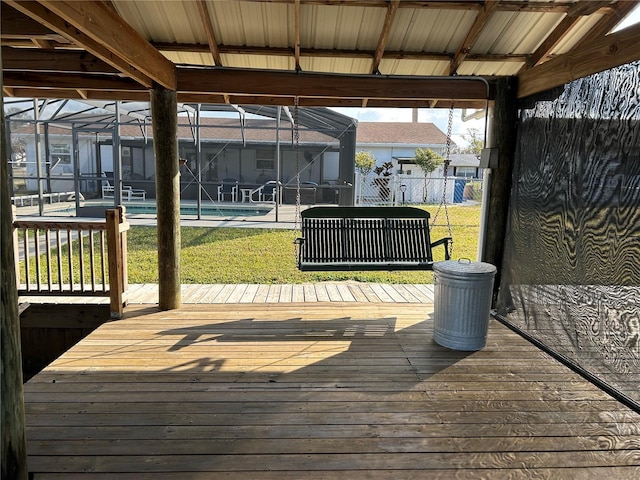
(116, 253)
(123, 227)
(16, 248)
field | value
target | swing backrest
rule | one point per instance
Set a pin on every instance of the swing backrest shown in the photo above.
(366, 238)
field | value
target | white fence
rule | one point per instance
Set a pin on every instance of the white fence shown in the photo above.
(404, 190)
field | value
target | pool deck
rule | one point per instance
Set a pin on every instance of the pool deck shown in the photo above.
(282, 217)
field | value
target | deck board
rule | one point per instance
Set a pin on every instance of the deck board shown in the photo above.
(316, 390)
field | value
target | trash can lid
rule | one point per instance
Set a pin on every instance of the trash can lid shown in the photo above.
(464, 267)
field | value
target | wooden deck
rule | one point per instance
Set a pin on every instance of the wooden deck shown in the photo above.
(316, 292)
(329, 390)
(349, 292)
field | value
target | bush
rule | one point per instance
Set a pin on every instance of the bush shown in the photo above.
(365, 161)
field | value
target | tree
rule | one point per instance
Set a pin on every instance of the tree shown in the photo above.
(428, 161)
(365, 161)
(476, 142)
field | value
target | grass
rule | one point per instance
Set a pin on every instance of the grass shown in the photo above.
(233, 255)
(239, 255)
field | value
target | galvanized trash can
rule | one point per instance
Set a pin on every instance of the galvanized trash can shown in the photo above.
(462, 303)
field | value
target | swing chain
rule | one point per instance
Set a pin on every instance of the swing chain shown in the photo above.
(296, 139)
(445, 168)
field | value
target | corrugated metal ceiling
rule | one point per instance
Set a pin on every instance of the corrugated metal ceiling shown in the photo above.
(386, 38)
(349, 29)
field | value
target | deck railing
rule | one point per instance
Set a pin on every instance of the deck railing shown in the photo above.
(73, 258)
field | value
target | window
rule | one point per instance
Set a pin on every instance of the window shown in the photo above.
(60, 157)
(265, 160)
(467, 172)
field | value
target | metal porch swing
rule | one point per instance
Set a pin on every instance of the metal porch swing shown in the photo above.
(368, 238)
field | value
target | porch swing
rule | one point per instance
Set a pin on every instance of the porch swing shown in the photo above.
(368, 238)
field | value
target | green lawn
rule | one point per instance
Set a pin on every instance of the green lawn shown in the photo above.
(239, 255)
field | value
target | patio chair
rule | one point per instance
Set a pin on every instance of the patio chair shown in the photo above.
(107, 189)
(266, 192)
(128, 192)
(229, 187)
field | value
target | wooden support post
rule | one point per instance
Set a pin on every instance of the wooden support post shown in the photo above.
(14, 445)
(503, 137)
(165, 144)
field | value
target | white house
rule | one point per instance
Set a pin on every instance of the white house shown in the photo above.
(396, 142)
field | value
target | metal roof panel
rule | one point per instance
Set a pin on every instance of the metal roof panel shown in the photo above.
(489, 68)
(347, 27)
(413, 67)
(271, 62)
(256, 24)
(160, 21)
(517, 33)
(336, 65)
(429, 30)
(190, 58)
(576, 34)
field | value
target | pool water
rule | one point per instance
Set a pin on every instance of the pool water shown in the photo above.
(206, 210)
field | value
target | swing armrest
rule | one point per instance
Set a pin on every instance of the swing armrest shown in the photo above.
(446, 241)
(299, 241)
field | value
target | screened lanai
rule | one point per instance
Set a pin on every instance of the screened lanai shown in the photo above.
(68, 156)
(560, 225)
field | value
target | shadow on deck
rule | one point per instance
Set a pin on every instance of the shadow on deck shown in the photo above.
(323, 390)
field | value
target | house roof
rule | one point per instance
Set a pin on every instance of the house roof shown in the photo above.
(229, 130)
(394, 133)
(322, 53)
(464, 160)
(212, 129)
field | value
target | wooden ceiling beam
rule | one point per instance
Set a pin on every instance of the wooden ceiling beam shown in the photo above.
(296, 34)
(42, 43)
(540, 7)
(187, 97)
(332, 53)
(596, 56)
(30, 60)
(141, 96)
(273, 83)
(208, 27)
(72, 81)
(505, 5)
(54, 22)
(102, 26)
(384, 35)
(480, 22)
(574, 15)
(14, 24)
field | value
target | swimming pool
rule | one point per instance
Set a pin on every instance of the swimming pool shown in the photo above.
(206, 210)
(219, 211)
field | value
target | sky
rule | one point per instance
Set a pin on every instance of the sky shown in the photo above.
(439, 116)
